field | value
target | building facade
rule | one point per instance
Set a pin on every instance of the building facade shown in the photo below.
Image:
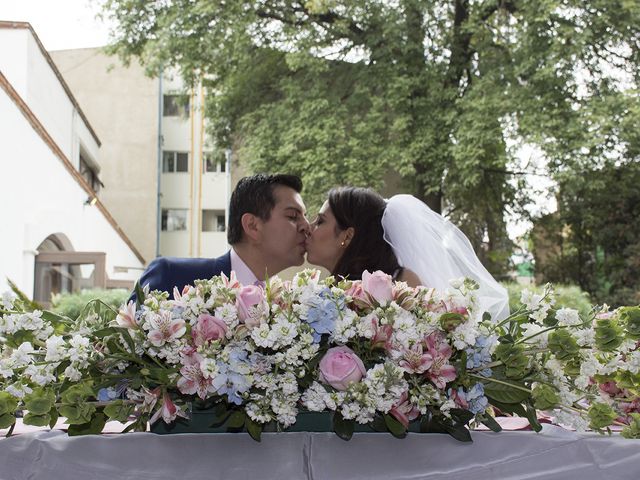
(57, 234)
(165, 182)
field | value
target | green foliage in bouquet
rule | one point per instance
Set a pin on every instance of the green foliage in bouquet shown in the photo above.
(372, 355)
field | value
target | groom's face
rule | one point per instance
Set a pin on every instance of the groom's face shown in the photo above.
(284, 234)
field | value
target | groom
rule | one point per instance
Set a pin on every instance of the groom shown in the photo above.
(267, 232)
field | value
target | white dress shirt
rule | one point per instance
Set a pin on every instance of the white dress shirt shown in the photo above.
(243, 273)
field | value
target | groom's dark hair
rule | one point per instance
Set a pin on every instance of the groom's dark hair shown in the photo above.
(254, 195)
(362, 209)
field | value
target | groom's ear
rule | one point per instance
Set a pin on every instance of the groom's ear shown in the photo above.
(251, 226)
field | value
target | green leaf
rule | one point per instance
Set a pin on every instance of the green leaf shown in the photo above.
(460, 433)
(510, 408)
(117, 410)
(8, 403)
(37, 420)
(93, 427)
(343, 428)
(139, 295)
(532, 416)
(397, 429)
(6, 420)
(56, 318)
(77, 414)
(40, 401)
(490, 422)
(505, 393)
(254, 429)
(236, 419)
(53, 413)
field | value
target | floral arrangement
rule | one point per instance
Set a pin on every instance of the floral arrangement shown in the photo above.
(370, 352)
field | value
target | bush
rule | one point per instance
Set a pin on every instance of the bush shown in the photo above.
(72, 304)
(569, 296)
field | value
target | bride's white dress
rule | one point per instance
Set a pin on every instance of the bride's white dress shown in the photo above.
(438, 252)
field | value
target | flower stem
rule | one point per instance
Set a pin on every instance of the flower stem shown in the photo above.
(495, 380)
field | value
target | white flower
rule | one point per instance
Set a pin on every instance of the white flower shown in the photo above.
(18, 390)
(7, 300)
(21, 356)
(79, 349)
(72, 373)
(532, 331)
(585, 337)
(260, 335)
(570, 419)
(55, 348)
(633, 362)
(6, 368)
(41, 375)
(568, 317)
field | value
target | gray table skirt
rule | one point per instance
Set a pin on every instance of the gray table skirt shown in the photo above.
(554, 453)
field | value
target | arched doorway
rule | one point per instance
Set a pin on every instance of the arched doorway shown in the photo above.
(58, 268)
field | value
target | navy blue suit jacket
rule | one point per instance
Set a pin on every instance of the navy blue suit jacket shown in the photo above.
(164, 273)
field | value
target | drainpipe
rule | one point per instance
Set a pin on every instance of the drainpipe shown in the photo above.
(160, 142)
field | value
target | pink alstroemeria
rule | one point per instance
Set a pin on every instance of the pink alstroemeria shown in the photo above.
(164, 328)
(193, 379)
(404, 411)
(231, 281)
(415, 360)
(440, 372)
(168, 411)
(127, 316)
(381, 335)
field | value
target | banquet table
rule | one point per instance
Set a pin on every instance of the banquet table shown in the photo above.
(553, 453)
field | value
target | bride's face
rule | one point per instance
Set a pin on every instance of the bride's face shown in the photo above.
(325, 244)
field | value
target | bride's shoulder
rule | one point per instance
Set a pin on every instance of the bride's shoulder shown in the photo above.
(409, 277)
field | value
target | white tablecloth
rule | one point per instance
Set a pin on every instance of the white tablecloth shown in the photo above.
(552, 454)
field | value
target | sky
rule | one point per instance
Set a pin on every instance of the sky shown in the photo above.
(60, 24)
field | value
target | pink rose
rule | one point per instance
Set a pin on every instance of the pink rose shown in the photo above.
(247, 298)
(208, 328)
(378, 285)
(340, 366)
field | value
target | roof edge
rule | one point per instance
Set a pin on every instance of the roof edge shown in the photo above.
(27, 26)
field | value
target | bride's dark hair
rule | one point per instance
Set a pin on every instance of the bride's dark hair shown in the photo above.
(362, 209)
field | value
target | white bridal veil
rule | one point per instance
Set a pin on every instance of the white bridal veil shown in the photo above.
(437, 251)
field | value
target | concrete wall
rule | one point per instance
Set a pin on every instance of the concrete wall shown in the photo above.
(122, 106)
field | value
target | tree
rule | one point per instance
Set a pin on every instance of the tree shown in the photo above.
(594, 238)
(439, 92)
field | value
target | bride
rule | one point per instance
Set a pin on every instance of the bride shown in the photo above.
(357, 230)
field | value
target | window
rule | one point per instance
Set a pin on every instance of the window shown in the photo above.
(174, 219)
(89, 174)
(213, 221)
(175, 105)
(175, 162)
(214, 162)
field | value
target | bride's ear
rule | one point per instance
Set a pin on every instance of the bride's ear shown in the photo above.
(348, 236)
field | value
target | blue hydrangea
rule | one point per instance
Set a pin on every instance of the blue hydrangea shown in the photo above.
(480, 355)
(475, 398)
(233, 377)
(323, 312)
